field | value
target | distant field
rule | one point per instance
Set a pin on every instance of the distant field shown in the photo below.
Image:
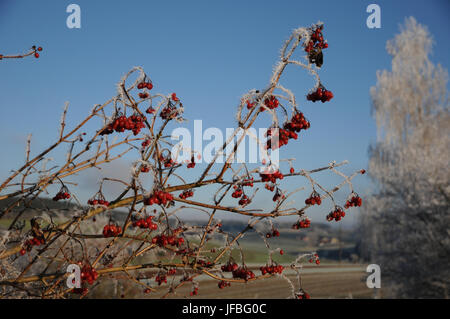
(332, 281)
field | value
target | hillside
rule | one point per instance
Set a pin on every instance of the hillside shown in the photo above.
(330, 242)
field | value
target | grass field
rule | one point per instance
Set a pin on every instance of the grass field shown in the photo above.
(320, 282)
(327, 281)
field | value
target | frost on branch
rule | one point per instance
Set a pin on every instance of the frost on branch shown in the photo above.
(151, 245)
(32, 51)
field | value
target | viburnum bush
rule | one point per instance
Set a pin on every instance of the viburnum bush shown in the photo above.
(155, 248)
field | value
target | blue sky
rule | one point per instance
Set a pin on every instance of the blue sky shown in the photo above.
(210, 53)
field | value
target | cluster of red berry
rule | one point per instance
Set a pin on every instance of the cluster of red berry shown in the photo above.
(194, 292)
(297, 123)
(237, 192)
(98, 200)
(243, 273)
(145, 168)
(272, 269)
(303, 295)
(274, 233)
(271, 177)
(313, 199)
(88, 274)
(279, 136)
(111, 230)
(186, 194)
(150, 110)
(36, 54)
(222, 284)
(321, 94)
(159, 198)
(145, 223)
(204, 263)
(315, 259)
(337, 214)
(245, 200)
(160, 279)
(163, 240)
(316, 41)
(144, 84)
(167, 160)
(35, 241)
(270, 102)
(145, 143)
(122, 123)
(191, 164)
(290, 129)
(62, 194)
(171, 272)
(229, 267)
(169, 112)
(315, 45)
(304, 223)
(250, 104)
(248, 182)
(355, 201)
(143, 95)
(240, 193)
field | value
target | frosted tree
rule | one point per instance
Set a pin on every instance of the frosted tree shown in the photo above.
(405, 227)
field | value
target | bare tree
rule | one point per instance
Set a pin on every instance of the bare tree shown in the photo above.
(405, 227)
